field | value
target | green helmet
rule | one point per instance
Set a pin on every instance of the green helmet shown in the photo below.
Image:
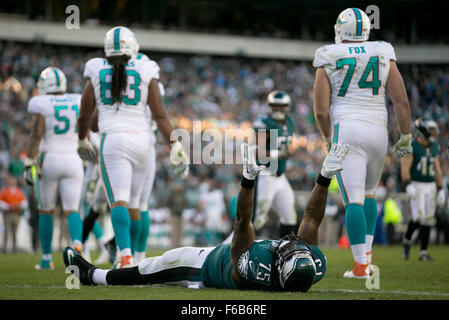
(295, 264)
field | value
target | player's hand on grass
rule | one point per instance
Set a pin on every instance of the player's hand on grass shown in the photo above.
(334, 160)
(179, 160)
(86, 150)
(403, 147)
(250, 168)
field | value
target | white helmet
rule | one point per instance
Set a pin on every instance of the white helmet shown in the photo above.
(52, 80)
(352, 24)
(278, 98)
(120, 41)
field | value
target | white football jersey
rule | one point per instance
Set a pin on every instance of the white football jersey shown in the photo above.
(358, 73)
(131, 114)
(61, 115)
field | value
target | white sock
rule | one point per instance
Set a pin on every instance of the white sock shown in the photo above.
(139, 256)
(99, 276)
(369, 242)
(47, 257)
(359, 253)
(125, 252)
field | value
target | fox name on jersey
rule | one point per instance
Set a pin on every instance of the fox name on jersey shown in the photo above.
(61, 114)
(130, 114)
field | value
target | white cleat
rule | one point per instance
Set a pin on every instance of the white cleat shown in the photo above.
(360, 271)
(103, 258)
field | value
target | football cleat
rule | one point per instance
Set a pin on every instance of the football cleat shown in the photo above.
(360, 271)
(112, 250)
(405, 251)
(126, 262)
(103, 258)
(72, 258)
(45, 265)
(425, 257)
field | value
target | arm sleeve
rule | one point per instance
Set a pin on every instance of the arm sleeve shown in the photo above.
(319, 60)
(151, 70)
(34, 105)
(89, 68)
(390, 51)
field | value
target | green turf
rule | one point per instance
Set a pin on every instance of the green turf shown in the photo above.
(399, 279)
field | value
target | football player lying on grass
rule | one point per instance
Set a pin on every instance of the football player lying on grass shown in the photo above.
(293, 263)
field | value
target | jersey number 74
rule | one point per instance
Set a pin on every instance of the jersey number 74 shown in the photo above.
(371, 67)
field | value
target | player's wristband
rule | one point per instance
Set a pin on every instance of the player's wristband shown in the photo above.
(247, 184)
(323, 181)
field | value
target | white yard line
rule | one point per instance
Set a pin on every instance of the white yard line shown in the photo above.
(396, 292)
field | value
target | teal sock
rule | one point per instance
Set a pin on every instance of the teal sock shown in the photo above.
(355, 223)
(46, 232)
(121, 224)
(135, 232)
(370, 208)
(75, 225)
(144, 231)
(97, 230)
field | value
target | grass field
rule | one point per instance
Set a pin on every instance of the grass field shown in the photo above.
(399, 279)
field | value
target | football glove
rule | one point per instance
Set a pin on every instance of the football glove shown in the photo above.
(86, 150)
(403, 147)
(28, 171)
(441, 198)
(334, 160)
(179, 160)
(411, 191)
(250, 168)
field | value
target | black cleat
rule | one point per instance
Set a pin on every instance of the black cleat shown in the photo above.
(406, 251)
(425, 257)
(86, 270)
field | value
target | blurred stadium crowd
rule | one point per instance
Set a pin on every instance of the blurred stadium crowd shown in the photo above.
(224, 93)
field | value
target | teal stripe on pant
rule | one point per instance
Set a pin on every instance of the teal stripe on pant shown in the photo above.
(45, 232)
(75, 226)
(370, 208)
(121, 224)
(355, 223)
(144, 231)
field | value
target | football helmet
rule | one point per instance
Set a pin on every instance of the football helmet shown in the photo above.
(52, 80)
(121, 41)
(352, 24)
(432, 126)
(422, 129)
(278, 98)
(295, 264)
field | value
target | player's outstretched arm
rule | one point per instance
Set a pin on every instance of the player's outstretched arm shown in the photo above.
(243, 227)
(316, 206)
(321, 103)
(37, 132)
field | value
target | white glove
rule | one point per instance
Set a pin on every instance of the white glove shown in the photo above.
(179, 160)
(411, 191)
(28, 171)
(328, 143)
(334, 160)
(250, 167)
(403, 147)
(86, 150)
(441, 198)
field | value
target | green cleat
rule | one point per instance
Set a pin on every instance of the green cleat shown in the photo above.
(73, 258)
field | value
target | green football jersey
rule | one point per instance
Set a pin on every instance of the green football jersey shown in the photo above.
(284, 135)
(255, 267)
(423, 166)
